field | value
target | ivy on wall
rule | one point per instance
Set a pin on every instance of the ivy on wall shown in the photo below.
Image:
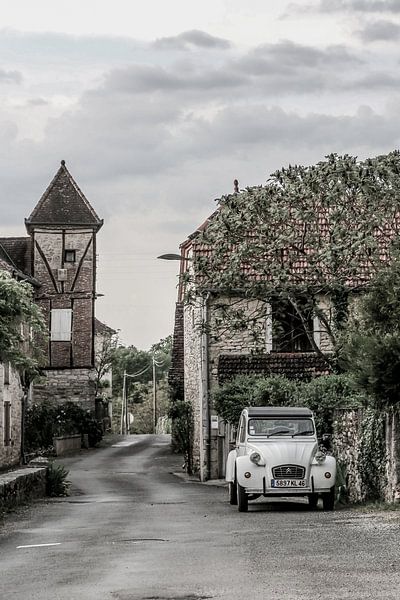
(372, 454)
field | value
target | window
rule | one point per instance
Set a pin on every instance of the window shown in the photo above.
(61, 321)
(289, 328)
(6, 367)
(70, 256)
(7, 423)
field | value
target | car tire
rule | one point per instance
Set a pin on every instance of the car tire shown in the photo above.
(233, 493)
(313, 501)
(242, 499)
(328, 499)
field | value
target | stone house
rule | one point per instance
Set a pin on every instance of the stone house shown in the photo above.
(205, 354)
(13, 395)
(201, 361)
(59, 254)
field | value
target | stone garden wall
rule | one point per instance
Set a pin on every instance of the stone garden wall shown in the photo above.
(367, 448)
(17, 487)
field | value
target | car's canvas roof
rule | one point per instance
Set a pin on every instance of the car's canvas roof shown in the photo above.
(278, 411)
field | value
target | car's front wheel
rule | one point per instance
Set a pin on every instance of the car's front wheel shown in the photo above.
(233, 493)
(313, 501)
(328, 499)
(242, 499)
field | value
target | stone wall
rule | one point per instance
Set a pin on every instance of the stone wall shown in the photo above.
(67, 385)
(10, 450)
(17, 487)
(393, 457)
(346, 449)
(348, 426)
(193, 380)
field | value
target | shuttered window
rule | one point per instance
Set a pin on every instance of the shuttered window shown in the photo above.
(6, 367)
(61, 321)
(7, 423)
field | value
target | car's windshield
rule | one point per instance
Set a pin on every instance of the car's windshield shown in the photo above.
(281, 427)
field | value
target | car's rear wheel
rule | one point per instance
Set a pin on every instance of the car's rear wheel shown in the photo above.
(328, 499)
(242, 499)
(233, 493)
(313, 501)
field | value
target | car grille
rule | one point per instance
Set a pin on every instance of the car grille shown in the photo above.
(285, 471)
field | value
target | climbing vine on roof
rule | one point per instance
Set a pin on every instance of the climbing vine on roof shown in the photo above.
(325, 228)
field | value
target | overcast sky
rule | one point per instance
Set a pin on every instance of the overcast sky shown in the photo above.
(158, 106)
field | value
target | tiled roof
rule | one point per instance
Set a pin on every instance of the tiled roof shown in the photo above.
(301, 366)
(16, 251)
(301, 265)
(102, 328)
(63, 203)
(15, 258)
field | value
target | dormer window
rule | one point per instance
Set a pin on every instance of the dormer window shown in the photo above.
(69, 256)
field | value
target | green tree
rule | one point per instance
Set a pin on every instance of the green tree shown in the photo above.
(21, 322)
(311, 231)
(371, 346)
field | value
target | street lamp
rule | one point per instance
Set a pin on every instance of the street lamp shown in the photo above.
(171, 257)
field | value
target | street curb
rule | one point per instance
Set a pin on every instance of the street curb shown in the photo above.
(193, 479)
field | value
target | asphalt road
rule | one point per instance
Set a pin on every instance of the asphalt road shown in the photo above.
(132, 530)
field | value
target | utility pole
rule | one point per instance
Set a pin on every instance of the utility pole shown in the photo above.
(154, 396)
(124, 408)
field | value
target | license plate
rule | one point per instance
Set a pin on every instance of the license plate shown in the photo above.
(288, 483)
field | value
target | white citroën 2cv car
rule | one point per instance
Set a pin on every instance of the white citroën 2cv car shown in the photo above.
(277, 454)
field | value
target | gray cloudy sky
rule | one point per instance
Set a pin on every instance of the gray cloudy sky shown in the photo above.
(158, 106)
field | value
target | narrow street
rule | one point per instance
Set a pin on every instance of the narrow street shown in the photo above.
(132, 530)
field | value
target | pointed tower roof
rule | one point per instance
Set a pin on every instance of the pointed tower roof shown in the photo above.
(63, 203)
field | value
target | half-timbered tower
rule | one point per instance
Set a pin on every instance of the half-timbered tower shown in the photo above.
(63, 228)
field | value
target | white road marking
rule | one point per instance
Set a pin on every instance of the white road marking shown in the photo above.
(124, 444)
(40, 545)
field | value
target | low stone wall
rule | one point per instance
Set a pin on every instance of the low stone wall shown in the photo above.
(17, 487)
(347, 448)
(67, 443)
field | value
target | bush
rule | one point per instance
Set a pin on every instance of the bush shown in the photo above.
(57, 483)
(45, 421)
(322, 395)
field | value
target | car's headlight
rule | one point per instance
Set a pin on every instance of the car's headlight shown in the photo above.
(320, 457)
(256, 458)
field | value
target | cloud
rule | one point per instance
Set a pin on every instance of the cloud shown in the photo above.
(10, 76)
(380, 31)
(345, 6)
(37, 102)
(190, 40)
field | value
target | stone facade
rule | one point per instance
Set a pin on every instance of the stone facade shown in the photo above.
(67, 385)
(214, 354)
(194, 386)
(76, 292)
(11, 397)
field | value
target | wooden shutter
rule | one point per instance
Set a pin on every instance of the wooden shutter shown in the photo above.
(7, 423)
(61, 321)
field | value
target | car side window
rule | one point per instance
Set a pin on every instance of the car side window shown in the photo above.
(239, 436)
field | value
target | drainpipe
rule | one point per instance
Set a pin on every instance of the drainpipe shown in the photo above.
(205, 399)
